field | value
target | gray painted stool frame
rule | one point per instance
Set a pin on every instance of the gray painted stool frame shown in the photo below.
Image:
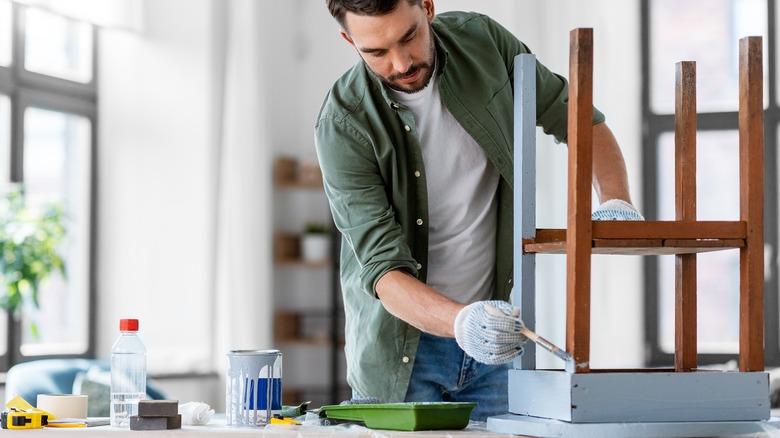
(660, 402)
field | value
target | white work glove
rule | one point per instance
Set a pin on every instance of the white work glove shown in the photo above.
(616, 210)
(490, 336)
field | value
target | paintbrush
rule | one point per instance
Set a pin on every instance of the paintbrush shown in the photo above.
(538, 340)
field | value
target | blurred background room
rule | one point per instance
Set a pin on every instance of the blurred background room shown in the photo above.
(178, 137)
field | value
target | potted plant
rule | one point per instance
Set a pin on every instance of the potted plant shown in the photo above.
(315, 242)
(29, 240)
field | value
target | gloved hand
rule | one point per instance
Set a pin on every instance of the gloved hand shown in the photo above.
(489, 336)
(616, 210)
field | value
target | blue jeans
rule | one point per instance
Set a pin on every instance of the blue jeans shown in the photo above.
(443, 372)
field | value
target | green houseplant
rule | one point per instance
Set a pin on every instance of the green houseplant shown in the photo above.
(29, 240)
(316, 228)
(315, 242)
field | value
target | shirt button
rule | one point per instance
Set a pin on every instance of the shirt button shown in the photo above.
(394, 105)
(419, 266)
(405, 359)
(419, 222)
(407, 127)
(417, 173)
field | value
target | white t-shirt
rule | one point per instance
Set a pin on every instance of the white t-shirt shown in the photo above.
(462, 205)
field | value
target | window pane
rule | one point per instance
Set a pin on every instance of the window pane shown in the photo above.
(717, 302)
(705, 31)
(57, 169)
(3, 335)
(717, 175)
(5, 141)
(5, 166)
(717, 168)
(5, 33)
(57, 47)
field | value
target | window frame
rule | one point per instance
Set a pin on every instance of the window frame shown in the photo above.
(657, 124)
(30, 89)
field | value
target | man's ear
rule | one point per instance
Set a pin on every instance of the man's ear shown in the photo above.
(346, 37)
(430, 11)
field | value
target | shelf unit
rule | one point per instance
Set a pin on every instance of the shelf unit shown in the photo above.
(308, 316)
(684, 401)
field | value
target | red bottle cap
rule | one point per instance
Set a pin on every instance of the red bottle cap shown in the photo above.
(128, 325)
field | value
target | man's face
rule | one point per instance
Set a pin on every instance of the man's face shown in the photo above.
(398, 47)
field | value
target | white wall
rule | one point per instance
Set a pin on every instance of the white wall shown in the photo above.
(155, 186)
(617, 294)
(157, 171)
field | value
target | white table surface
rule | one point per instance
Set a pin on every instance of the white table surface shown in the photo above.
(217, 429)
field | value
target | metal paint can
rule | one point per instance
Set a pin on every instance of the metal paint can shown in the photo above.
(253, 387)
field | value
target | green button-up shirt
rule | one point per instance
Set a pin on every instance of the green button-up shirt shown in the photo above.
(374, 178)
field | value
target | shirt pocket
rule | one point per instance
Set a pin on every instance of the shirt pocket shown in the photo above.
(501, 109)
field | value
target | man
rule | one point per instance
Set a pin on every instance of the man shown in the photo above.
(415, 144)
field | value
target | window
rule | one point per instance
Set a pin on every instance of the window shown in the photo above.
(5, 34)
(676, 31)
(47, 143)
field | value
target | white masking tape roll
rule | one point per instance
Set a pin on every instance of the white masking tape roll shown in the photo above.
(63, 405)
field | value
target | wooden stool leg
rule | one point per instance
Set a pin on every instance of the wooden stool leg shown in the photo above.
(685, 207)
(579, 225)
(751, 194)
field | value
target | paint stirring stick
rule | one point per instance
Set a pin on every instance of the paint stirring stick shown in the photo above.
(544, 343)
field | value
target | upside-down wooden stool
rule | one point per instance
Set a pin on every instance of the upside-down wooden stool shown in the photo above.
(683, 401)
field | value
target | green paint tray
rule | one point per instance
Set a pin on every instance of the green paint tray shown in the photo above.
(404, 416)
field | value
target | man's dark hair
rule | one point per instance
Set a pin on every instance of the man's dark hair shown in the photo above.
(339, 8)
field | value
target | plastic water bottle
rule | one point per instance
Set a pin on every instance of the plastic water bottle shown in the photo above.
(128, 373)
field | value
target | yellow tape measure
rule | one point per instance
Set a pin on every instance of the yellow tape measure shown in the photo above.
(278, 419)
(21, 415)
(23, 420)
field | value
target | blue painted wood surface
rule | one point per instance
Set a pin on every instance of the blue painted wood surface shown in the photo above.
(640, 396)
(524, 273)
(543, 427)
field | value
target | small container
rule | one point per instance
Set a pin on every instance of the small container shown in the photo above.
(253, 387)
(128, 374)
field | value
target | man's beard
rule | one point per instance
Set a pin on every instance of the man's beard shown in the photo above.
(412, 71)
(427, 65)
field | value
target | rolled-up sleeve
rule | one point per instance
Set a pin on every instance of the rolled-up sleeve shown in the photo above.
(356, 188)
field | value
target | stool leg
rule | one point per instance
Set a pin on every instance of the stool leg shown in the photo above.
(579, 227)
(751, 179)
(685, 206)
